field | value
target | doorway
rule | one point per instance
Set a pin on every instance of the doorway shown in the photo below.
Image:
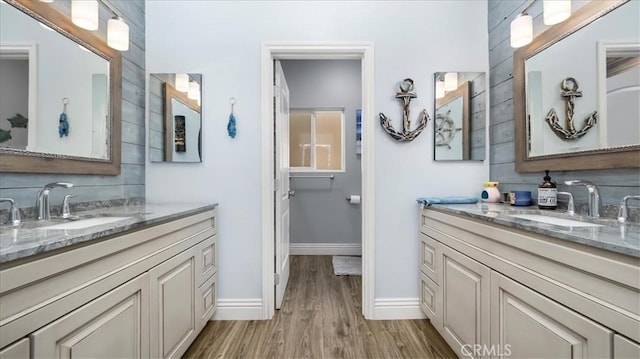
(272, 189)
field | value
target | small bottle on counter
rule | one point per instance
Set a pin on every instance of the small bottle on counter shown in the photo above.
(547, 193)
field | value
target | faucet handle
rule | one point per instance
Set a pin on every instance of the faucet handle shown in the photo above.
(14, 212)
(622, 211)
(66, 212)
(571, 209)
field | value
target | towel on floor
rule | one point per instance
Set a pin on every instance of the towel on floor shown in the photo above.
(427, 201)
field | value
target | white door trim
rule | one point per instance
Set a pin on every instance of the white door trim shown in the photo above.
(318, 50)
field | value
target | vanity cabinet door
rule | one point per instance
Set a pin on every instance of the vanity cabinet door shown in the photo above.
(624, 348)
(172, 305)
(525, 324)
(18, 350)
(114, 325)
(465, 302)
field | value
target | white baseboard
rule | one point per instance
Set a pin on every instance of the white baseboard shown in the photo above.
(239, 309)
(397, 308)
(325, 249)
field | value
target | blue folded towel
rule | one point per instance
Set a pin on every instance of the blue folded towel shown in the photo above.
(427, 201)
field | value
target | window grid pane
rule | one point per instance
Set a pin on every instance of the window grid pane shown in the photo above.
(316, 140)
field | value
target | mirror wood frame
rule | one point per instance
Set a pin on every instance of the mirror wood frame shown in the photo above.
(34, 162)
(170, 94)
(624, 157)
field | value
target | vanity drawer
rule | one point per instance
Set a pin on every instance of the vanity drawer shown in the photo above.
(19, 350)
(430, 299)
(206, 301)
(428, 257)
(206, 260)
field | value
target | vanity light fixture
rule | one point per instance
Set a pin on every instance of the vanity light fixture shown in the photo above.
(194, 90)
(182, 82)
(451, 81)
(554, 12)
(439, 89)
(85, 14)
(118, 34)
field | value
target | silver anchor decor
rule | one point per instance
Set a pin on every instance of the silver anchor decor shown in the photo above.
(570, 92)
(405, 95)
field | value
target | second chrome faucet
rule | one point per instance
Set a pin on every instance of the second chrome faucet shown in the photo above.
(594, 196)
(43, 211)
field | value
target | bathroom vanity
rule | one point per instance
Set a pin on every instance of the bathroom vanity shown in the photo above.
(141, 283)
(498, 282)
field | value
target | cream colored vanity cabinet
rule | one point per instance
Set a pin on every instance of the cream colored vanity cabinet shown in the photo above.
(512, 293)
(140, 294)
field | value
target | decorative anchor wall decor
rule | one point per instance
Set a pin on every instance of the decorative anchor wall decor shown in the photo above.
(570, 87)
(405, 95)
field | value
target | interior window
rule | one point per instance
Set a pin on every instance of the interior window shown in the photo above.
(316, 140)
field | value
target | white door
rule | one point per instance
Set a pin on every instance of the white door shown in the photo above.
(283, 191)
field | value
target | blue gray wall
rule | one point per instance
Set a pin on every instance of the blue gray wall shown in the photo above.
(613, 184)
(131, 181)
(320, 212)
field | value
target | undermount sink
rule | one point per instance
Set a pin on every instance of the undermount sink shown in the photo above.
(85, 223)
(554, 220)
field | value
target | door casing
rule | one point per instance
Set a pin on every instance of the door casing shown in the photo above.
(318, 51)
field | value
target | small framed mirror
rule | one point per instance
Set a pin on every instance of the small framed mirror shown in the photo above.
(175, 117)
(459, 116)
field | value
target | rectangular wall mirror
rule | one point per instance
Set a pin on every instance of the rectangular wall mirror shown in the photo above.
(576, 91)
(460, 116)
(52, 69)
(175, 120)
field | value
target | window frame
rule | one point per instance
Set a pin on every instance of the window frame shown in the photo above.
(313, 166)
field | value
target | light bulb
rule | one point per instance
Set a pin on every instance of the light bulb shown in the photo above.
(451, 81)
(46, 0)
(182, 82)
(118, 34)
(521, 30)
(84, 13)
(556, 11)
(194, 90)
(439, 89)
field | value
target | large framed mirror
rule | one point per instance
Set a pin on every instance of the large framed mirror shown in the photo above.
(577, 91)
(60, 95)
(460, 116)
(175, 117)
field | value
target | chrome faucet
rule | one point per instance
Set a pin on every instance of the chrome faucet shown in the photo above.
(42, 203)
(14, 213)
(594, 196)
(622, 212)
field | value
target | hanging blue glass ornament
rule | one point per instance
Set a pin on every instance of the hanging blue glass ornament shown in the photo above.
(63, 126)
(231, 125)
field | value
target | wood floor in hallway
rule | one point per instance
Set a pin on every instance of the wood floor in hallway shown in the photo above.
(320, 318)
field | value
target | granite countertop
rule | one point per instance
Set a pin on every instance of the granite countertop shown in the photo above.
(29, 238)
(610, 235)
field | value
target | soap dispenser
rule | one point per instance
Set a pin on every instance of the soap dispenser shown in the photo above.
(547, 193)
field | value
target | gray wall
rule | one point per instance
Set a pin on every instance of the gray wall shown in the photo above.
(320, 212)
(14, 99)
(613, 184)
(131, 181)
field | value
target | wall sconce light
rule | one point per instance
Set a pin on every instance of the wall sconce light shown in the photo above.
(118, 34)
(439, 89)
(194, 91)
(451, 81)
(182, 82)
(554, 11)
(85, 14)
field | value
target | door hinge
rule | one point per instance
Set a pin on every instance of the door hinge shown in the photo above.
(276, 278)
(276, 185)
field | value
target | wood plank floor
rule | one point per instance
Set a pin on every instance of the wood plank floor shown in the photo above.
(320, 318)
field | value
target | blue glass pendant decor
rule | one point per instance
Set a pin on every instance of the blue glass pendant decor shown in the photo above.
(63, 126)
(231, 125)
